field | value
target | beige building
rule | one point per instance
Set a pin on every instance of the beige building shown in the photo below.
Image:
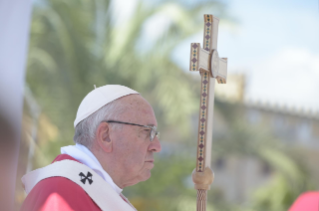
(238, 176)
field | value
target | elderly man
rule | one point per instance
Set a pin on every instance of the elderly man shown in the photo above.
(116, 137)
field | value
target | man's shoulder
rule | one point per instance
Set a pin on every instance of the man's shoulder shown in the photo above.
(58, 192)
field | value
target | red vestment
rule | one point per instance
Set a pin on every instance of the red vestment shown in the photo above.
(58, 194)
(308, 201)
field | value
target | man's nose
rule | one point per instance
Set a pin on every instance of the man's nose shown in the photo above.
(155, 145)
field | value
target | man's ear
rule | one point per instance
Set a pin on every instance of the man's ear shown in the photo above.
(103, 137)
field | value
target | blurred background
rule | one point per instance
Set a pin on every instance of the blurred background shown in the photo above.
(266, 118)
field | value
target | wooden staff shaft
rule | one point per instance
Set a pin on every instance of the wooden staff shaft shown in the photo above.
(202, 175)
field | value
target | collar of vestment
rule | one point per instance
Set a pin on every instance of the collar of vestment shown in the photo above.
(92, 183)
(85, 156)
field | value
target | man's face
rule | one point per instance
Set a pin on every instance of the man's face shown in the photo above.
(133, 149)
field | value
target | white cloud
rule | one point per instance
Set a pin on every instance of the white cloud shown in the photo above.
(290, 76)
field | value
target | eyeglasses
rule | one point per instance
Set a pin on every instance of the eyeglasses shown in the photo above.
(153, 128)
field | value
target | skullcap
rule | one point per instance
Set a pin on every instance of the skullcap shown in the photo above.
(98, 98)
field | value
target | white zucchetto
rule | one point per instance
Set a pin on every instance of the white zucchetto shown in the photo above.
(98, 98)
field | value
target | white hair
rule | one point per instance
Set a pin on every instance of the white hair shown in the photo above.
(85, 130)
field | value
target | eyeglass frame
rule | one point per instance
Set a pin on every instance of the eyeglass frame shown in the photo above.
(154, 133)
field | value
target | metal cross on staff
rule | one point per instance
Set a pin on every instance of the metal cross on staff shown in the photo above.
(207, 62)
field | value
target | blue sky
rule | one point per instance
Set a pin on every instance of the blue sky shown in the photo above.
(276, 45)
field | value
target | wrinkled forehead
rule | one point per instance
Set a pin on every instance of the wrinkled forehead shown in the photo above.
(137, 110)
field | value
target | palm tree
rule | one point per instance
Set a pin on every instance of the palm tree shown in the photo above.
(76, 44)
